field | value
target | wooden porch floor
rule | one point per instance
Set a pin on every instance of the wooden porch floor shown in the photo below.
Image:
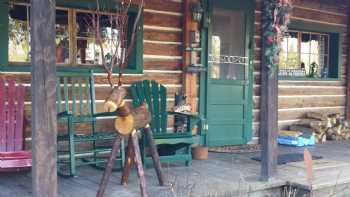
(221, 175)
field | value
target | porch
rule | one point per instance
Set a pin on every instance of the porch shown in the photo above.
(223, 174)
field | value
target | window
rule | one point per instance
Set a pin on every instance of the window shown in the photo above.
(88, 52)
(75, 41)
(307, 54)
(19, 37)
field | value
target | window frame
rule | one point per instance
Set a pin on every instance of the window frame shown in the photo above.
(335, 34)
(135, 64)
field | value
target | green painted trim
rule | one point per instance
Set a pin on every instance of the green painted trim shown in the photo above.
(315, 27)
(67, 68)
(308, 79)
(135, 64)
(202, 103)
(335, 44)
(250, 43)
(108, 5)
(4, 22)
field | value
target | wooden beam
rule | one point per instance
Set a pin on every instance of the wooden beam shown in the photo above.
(189, 79)
(44, 125)
(269, 109)
(348, 70)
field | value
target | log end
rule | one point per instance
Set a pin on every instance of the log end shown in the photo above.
(110, 106)
(124, 125)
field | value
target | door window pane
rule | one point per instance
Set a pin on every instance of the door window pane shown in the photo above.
(227, 56)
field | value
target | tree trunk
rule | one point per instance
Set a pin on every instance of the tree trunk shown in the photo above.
(44, 124)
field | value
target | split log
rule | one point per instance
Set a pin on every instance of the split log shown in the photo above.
(303, 129)
(321, 138)
(317, 116)
(311, 122)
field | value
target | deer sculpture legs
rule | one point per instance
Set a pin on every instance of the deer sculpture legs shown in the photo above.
(133, 157)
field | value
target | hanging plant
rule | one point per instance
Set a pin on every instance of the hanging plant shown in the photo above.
(276, 17)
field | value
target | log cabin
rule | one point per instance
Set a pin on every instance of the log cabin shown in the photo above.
(216, 62)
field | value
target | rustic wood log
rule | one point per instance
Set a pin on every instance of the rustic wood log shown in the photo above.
(138, 162)
(129, 161)
(155, 155)
(302, 129)
(138, 118)
(316, 115)
(321, 138)
(114, 99)
(311, 122)
(109, 167)
(124, 109)
(268, 100)
(43, 83)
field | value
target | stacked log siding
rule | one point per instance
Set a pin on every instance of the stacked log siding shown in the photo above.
(162, 56)
(162, 59)
(296, 97)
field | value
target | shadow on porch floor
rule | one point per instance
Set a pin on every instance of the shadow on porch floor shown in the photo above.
(223, 174)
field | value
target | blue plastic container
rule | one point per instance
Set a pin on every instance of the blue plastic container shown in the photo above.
(296, 141)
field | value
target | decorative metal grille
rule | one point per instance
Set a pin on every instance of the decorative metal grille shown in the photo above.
(227, 59)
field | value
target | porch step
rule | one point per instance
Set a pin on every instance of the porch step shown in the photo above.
(330, 179)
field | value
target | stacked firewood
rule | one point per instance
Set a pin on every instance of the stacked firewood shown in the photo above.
(324, 126)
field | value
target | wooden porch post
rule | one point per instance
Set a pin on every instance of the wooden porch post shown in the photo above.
(348, 69)
(276, 15)
(268, 104)
(189, 79)
(44, 125)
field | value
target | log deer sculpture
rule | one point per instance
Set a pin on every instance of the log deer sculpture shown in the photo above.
(129, 120)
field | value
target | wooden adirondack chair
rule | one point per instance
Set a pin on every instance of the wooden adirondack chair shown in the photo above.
(12, 155)
(171, 146)
(76, 107)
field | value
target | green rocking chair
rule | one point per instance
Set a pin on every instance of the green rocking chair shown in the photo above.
(81, 143)
(172, 146)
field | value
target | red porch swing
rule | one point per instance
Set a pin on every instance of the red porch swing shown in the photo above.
(12, 154)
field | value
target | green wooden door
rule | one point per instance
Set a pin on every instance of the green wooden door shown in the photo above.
(229, 83)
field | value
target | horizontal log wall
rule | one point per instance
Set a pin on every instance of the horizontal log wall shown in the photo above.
(298, 97)
(162, 60)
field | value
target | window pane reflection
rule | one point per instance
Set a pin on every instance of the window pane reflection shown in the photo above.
(88, 51)
(19, 37)
(304, 54)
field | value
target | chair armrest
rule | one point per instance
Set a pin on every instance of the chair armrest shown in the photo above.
(64, 114)
(186, 114)
(193, 119)
(104, 114)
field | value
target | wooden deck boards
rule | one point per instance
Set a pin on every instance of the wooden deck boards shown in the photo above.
(221, 174)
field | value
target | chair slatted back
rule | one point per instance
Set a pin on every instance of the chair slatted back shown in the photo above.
(75, 93)
(154, 94)
(11, 116)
